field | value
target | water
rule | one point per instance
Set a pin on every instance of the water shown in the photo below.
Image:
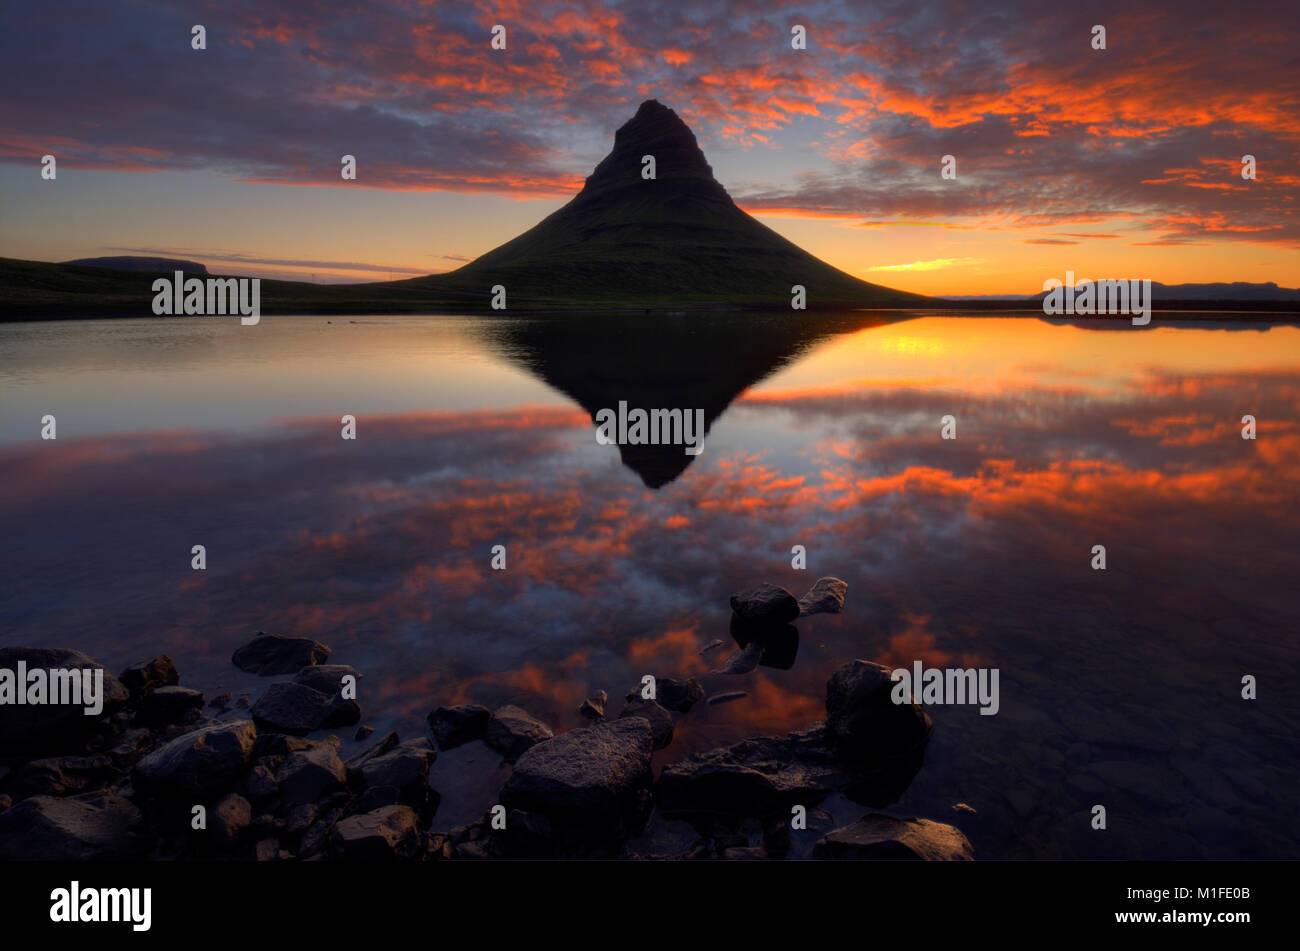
(1118, 687)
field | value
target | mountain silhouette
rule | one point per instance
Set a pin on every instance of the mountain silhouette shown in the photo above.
(676, 238)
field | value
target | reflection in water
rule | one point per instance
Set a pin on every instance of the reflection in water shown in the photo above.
(1120, 686)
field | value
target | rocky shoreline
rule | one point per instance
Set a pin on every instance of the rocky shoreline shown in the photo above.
(162, 775)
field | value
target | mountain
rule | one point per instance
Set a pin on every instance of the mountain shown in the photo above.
(157, 266)
(676, 238)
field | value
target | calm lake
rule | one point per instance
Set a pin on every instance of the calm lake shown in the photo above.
(1119, 687)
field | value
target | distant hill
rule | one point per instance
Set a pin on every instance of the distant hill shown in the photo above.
(145, 264)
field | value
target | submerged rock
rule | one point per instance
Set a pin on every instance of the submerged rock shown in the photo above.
(512, 730)
(269, 654)
(826, 596)
(764, 605)
(202, 763)
(865, 721)
(458, 725)
(884, 837)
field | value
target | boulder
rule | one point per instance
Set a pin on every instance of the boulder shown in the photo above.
(308, 775)
(863, 718)
(230, 819)
(768, 604)
(289, 707)
(512, 730)
(141, 678)
(169, 704)
(884, 837)
(327, 678)
(585, 776)
(201, 764)
(269, 654)
(676, 695)
(51, 727)
(826, 596)
(387, 833)
(458, 725)
(660, 720)
(63, 775)
(400, 775)
(92, 827)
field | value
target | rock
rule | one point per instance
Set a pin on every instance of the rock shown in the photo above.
(201, 764)
(727, 697)
(660, 720)
(884, 837)
(267, 850)
(230, 819)
(591, 709)
(259, 784)
(307, 775)
(863, 718)
(712, 646)
(169, 704)
(289, 707)
(768, 604)
(386, 833)
(52, 727)
(269, 654)
(742, 661)
(130, 747)
(327, 678)
(528, 835)
(144, 677)
(220, 701)
(62, 775)
(511, 731)
(587, 776)
(363, 732)
(744, 853)
(403, 770)
(755, 777)
(92, 827)
(675, 695)
(826, 596)
(458, 725)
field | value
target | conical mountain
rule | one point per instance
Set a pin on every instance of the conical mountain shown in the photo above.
(677, 238)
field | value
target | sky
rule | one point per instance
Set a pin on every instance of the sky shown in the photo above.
(1123, 162)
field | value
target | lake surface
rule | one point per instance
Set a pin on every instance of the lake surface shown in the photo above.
(1119, 687)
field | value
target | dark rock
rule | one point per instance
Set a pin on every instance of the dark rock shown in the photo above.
(866, 723)
(676, 695)
(48, 727)
(230, 819)
(511, 731)
(203, 763)
(384, 834)
(712, 646)
(768, 604)
(141, 678)
(130, 747)
(307, 775)
(91, 827)
(660, 720)
(260, 785)
(884, 837)
(63, 775)
(458, 725)
(744, 853)
(742, 661)
(727, 697)
(583, 777)
(267, 850)
(591, 710)
(768, 645)
(363, 732)
(169, 704)
(826, 596)
(220, 701)
(289, 707)
(404, 770)
(528, 835)
(327, 678)
(269, 654)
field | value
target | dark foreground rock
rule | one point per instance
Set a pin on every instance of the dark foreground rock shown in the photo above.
(387, 833)
(863, 718)
(660, 720)
(93, 827)
(590, 783)
(52, 727)
(768, 604)
(141, 678)
(512, 730)
(203, 763)
(826, 596)
(677, 695)
(269, 654)
(455, 726)
(169, 704)
(884, 837)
